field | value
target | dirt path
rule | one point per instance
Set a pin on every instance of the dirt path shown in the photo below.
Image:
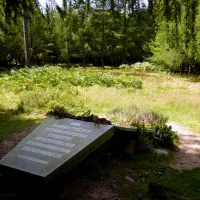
(11, 141)
(188, 154)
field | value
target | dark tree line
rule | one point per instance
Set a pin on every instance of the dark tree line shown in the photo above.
(176, 45)
(103, 32)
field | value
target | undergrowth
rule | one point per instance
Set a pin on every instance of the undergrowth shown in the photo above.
(154, 179)
(152, 128)
(33, 92)
(141, 66)
(49, 76)
(25, 91)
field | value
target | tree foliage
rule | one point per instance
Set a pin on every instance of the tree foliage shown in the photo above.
(103, 32)
(176, 45)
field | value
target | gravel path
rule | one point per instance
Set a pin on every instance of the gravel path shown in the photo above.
(188, 154)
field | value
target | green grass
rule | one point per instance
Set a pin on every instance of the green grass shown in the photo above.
(173, 96)
(149, 168)
(37, 90)
(146, 168)
(15, 123)
(47, 76)
(28, 94)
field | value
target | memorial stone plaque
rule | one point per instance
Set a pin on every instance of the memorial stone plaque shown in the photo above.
(55, 146)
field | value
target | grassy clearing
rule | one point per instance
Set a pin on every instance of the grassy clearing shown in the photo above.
(172, 96)
(111, 92)
(27, 95)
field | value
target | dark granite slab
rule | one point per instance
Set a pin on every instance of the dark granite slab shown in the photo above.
(55, 146)
(126, 128)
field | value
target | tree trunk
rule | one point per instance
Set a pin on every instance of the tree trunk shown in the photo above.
(103, 39)
(189, 69)
(68, 55)
(26, 45)
(83, 62)
(124, 34)
(83, 40)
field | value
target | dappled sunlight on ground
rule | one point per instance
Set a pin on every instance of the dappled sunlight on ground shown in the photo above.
(188, 154)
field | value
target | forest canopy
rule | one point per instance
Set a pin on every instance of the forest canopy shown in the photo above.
(100, 32)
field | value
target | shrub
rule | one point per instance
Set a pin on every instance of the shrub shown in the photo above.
(48, 77)
(152, 129)
(140, 66)
(163, 135)
(45, 99)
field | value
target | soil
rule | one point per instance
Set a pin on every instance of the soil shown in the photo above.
(10, 142)
(88, 188)
(188, 154)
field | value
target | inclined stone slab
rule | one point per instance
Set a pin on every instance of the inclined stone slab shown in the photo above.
(55, 146)
(126, 128)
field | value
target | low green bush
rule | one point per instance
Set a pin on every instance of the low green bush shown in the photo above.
(163, 135)
(152, 129)
(45, 99)
(140, 66)
(157, 135)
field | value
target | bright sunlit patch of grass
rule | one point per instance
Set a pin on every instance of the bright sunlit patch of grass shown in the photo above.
(172, 96)
(15, 123)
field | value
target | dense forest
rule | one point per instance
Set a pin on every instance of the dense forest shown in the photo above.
(100, 32)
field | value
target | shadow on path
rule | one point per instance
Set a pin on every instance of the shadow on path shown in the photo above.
(188, 154)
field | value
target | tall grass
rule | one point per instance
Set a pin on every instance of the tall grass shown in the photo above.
(32, 92)
(172, 96)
